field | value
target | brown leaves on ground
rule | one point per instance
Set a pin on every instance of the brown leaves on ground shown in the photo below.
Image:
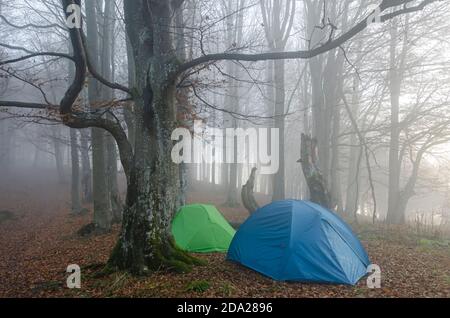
(40, 242)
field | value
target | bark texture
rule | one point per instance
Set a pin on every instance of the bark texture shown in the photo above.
(314, 178)
(248, 199)
(145, 243)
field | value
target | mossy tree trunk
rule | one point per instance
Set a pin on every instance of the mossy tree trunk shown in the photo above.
(145, 243)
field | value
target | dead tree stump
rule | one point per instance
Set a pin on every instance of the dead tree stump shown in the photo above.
(248, 199)
(310, 165)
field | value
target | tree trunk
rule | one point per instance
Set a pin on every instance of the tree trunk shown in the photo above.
(102, 209)
(248, 199)
(234, 37)
(114, 194)
(310, 165)
(182, 99)
(59, 156)
(267, 180)
(129, 109)
(277, 29)
(6, 148)
(145, 243)
(86, 175)
(75, 188)
(394, 213)
(354, 165)
(107, 67)
(323, 83)
(279, 180)
(232, 200)
(335, 184)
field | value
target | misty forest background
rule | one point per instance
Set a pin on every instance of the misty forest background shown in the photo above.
(86, 117)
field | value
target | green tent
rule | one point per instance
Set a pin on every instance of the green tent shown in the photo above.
(201, 228)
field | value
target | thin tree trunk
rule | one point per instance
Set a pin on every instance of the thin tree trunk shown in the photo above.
(128, 110)
(75, 187)
(59, 156)
(395, 215)
(102, 209)
(280, 95)
(86, 174)
(107, 67)
(352, 192)
(277, 30)
(235, 34)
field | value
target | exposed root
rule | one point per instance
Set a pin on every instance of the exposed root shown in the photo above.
(105, 271)
(162, 257)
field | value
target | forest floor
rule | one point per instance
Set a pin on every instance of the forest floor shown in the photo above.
(38, 241)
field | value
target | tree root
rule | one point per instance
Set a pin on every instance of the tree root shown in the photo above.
(162, 257)
(169, 257)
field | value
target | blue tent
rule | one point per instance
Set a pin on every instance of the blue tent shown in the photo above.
(299, 241)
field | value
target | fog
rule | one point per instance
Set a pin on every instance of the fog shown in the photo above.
(361, 118)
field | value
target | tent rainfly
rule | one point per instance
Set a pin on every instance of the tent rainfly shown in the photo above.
(299, 241)
(201, 228)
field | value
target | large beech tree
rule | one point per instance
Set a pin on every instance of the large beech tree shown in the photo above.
(145, 243)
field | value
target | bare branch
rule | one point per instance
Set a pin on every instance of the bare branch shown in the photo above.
(31, 25)
(36, 54)
(97, 75)
(306, 54)
(86, 120)
(7, 103)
